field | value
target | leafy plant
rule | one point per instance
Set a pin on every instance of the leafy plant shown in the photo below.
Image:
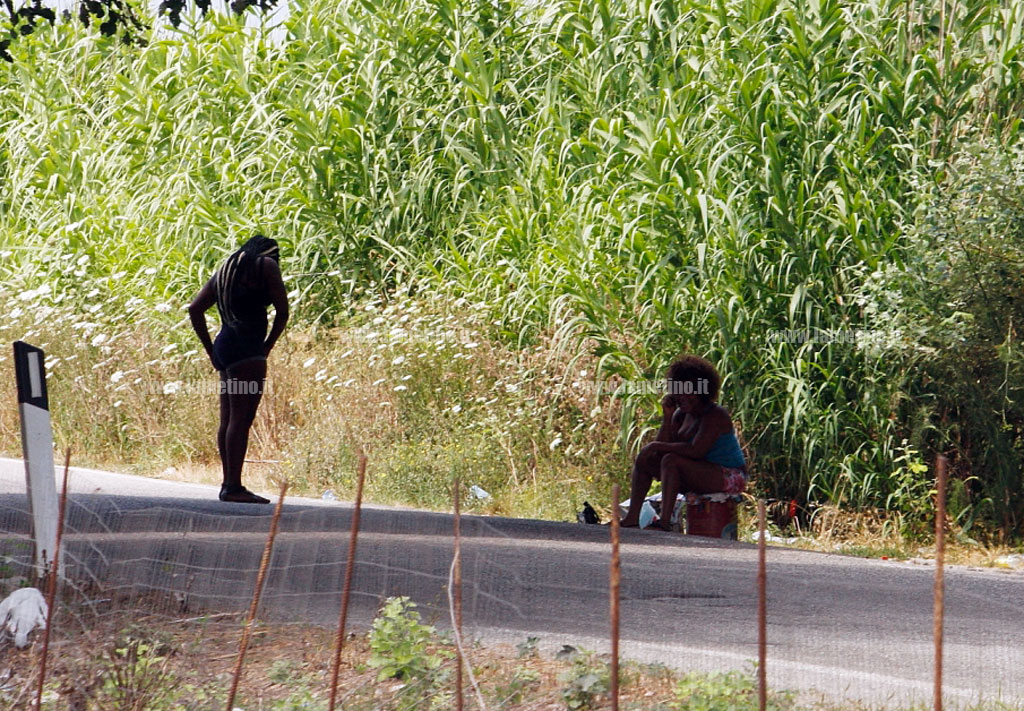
(528, 647)
(400, 645)
(912, 493)
(586, 681)
(134, 676)
(304, 700)
(513, 690)
(729, 691)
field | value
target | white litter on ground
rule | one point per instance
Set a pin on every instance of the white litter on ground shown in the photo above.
(21, 612)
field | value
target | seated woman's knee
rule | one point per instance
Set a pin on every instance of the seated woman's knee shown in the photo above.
(675, 461)
(648, 457)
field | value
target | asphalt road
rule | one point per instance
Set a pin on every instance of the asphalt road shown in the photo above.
(843, 626)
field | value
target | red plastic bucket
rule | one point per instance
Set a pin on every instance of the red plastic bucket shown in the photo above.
(711, 519)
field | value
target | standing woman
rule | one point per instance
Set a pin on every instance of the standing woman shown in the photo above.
(244, 286)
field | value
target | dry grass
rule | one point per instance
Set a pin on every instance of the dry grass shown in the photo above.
(289, 667)
(418, 384)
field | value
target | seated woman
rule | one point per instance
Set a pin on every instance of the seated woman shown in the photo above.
(696, 449)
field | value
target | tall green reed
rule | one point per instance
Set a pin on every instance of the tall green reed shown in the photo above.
(629, 179)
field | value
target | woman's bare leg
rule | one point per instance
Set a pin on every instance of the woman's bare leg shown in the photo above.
(682, 475)
(245, 382)
(222, 430)
(646, 469)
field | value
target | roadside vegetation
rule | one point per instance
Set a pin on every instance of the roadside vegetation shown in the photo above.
(402, 663)
(493, 214)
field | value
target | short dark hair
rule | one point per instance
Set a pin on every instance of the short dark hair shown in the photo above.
(692, 369)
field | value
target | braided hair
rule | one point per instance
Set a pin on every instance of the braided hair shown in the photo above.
(241, 267)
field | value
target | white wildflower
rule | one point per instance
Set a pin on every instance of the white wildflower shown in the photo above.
(172, 388)
(554, 443)
(398, 361)
(117, 376)
(309, 361)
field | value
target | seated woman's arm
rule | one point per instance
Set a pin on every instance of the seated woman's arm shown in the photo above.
(712, 425)
(670, 420)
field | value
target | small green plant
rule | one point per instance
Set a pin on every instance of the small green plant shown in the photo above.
(912, 495)
(303, 700)
(729, 691)
(134, 676)
(513, 690)
(586, 680)
(283, 671)
(399, 642)
(528, 647)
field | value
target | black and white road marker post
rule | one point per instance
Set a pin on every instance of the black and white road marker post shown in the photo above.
(37, 446)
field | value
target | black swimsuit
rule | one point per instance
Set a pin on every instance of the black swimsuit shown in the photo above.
(244, 330)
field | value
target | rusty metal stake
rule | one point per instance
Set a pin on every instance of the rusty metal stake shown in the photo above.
(347, 588)
(260, 577)
(613, 597)
(457, 595)
(762, 610)
(51, 580)
(940, 557)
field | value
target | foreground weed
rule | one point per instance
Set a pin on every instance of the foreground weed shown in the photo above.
(304, 700)
(730, 691)
(586, 681)
(399, 643)
(516, 688)
(135, 676)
